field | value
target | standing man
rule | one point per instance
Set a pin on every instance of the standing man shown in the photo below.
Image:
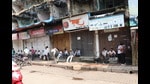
(13, 53)
(47, 53)
(26, 51)
(32, 53)
(26, 54)
(54, 54)
(121, 53)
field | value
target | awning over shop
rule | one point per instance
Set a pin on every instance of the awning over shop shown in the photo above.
(35, 25)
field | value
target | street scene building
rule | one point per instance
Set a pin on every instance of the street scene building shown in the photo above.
(87, 25)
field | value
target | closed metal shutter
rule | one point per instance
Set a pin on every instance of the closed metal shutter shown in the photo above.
(83, 40)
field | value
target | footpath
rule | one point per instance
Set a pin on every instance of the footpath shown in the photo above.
(89, 66)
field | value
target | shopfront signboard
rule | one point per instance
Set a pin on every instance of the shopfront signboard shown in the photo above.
(24, 35)
(107, 22)
(75, 22)
(37, 32)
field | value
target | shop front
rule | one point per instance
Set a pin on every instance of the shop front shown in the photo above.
(58, 38)
(84, 41)
(38, 39)
(111, 32)
(17, 43)
(81, 37)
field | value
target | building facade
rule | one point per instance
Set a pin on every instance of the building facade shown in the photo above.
(89, 25)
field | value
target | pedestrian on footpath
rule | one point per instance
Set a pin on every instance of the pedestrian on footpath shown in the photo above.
(46, 53)
(105, 55)
(60, 54)
(26, 51)
(70, 57)
(54, 54)
(121, 53)
(112, 54)
(32, 53)
(77, 52)
(13, 53)
(66, 53)
(26, 55)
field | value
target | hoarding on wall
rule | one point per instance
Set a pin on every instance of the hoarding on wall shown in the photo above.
(55, 30)
(37, 32)
(107, 22)
(24, 35)
(133, 11)
(14, 36)
(76, 22)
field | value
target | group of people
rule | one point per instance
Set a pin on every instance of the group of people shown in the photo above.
(66, 54)
(105, 55)
(30, 53)
(72, 54)
(110, 54)
(45, 54)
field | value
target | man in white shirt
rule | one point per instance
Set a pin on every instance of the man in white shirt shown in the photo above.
(54, 55)
(121, 53)
(46, 53)
(26, 51)
(26, 55)
(105, 55)
(70, 57)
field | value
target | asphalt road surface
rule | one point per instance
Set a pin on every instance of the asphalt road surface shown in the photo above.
(53, 75)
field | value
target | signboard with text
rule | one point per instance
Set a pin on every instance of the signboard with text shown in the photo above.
(107, 22)
(133, 11)
(24, 35)
(37, 32)
(55, 30)
(76, 22)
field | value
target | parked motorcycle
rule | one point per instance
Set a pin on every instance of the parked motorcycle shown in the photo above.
(16, 74)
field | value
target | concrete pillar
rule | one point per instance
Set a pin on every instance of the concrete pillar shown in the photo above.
(97, 43)
(134, 47)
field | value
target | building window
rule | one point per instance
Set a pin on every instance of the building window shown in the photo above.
(103, 4)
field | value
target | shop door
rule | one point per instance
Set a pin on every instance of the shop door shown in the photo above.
(108, 41)
(61, 41)
(83, 40)
(122, 36)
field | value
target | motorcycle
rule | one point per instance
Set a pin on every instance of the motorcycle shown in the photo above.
(16, 74)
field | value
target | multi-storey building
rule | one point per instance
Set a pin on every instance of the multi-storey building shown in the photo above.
(89, 25)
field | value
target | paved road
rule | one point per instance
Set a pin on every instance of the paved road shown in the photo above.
(53, 75)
